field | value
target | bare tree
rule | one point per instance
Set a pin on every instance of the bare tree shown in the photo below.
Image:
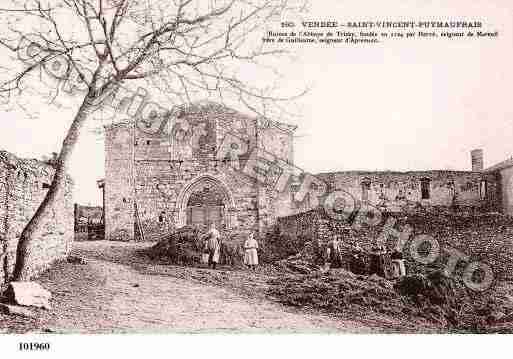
(187, 48)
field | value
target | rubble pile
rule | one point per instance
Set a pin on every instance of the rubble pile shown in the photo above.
(186, 245)
(440, 300)
(340, 291)
(275, 245)
(183, 247)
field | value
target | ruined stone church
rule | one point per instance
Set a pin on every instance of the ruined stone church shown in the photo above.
(161, 182)
(155, 183)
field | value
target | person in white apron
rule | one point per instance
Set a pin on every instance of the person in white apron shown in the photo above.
(251, 251)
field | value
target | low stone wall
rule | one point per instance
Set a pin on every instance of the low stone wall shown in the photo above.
(23, 186)
(480, 236)
(317, 226)
(302, 224)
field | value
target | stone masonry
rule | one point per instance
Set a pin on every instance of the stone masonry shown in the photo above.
(156, 183)
(155, 177)
(23, 186)
(394, 191)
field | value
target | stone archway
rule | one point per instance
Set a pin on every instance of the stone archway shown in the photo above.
(215, 192)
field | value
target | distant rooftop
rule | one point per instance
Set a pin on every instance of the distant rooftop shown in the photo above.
(501, 165)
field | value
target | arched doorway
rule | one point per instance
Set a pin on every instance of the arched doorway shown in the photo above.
(206, 205)
(205, 200)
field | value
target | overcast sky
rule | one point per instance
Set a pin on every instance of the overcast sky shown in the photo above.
(399, 105)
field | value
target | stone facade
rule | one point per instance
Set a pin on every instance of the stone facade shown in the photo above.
(503, 172)
(156, 180)
(402, 191)
(23, 186)
(399, 191)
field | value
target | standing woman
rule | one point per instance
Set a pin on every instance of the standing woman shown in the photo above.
(251, 251)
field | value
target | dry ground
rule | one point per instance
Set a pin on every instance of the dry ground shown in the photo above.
(118, 290)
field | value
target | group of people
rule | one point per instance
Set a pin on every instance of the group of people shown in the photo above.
(335, 251)
(388, 265)
(378, 260)
(212, 249)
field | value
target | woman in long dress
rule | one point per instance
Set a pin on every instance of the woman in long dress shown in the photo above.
(251, 251)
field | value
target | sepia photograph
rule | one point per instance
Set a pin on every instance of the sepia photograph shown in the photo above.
(233, 172)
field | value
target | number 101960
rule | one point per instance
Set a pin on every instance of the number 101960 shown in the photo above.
(34, 346)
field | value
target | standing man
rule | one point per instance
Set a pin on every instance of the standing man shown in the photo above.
(213, 246)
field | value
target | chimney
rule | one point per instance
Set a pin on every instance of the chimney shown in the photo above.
(477, 160)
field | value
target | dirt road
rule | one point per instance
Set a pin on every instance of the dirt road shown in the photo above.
(107, 295)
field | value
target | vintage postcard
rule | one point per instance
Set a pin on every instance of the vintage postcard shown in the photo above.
(255, 167)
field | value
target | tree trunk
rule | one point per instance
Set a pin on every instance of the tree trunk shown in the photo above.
(22, 270)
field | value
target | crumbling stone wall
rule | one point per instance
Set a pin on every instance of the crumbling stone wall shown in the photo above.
(403, 191)
(316, 225)
(398, 191)
(119, 186)
(303, 224)
(23, 186)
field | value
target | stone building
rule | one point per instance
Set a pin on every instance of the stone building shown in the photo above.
(503, 173)
(395, 191)
(23, 186)
(88, 222)
(154, 182)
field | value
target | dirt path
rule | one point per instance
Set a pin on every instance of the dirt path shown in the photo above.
(106, 296)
